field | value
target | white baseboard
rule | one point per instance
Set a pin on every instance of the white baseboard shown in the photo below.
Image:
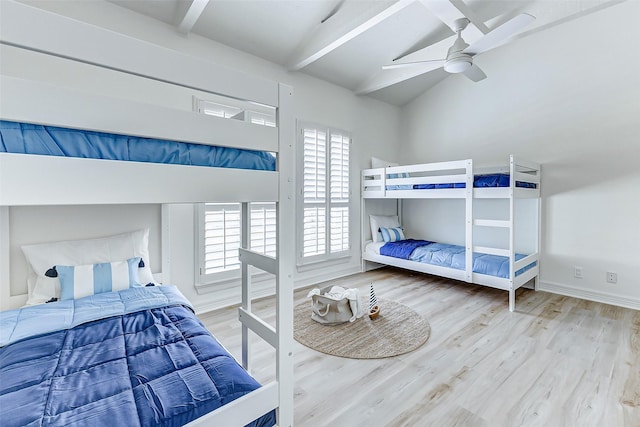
(603, 297)
(265, 288)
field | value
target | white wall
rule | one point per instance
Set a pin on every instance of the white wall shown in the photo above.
(374, 126)
(567, 97)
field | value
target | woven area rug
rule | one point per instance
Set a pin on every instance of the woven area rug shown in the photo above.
(397, 330)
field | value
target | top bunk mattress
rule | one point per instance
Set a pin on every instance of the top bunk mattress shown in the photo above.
(24, 138)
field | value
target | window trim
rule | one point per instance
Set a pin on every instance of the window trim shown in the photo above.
(301, 260)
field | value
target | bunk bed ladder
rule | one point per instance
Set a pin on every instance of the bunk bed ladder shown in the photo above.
(280, 337)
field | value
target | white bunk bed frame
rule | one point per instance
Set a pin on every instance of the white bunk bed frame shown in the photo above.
(374, 186)
(34, 180)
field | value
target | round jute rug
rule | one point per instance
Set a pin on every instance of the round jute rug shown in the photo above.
(397, 330)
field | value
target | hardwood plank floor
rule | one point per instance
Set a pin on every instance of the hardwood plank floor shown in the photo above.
(555, 361)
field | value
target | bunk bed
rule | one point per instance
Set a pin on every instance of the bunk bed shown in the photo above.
(501, 267)
(36, 342)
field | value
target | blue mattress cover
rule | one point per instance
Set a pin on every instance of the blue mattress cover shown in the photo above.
(24, 138)
(153, 366)
(479, 181)
(451, 256)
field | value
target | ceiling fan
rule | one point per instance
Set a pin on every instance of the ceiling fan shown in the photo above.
(460, 55)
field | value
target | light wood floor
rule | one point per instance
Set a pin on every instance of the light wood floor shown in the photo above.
(556, 361)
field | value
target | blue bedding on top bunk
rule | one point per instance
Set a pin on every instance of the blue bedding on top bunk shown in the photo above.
(450, 256)
(24, 138)
(479, 181)
(150, 366)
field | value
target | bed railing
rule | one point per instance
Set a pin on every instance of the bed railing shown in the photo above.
(398, 181)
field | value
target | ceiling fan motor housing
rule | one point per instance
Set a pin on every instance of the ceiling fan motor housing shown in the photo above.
(458, 62)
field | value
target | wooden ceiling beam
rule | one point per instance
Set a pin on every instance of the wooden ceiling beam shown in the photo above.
(385, 78)
(332, 34)
(450, 10)
(192, 15)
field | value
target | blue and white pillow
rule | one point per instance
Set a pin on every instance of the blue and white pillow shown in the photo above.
(392, 234)
(84, 280)
(398, 175)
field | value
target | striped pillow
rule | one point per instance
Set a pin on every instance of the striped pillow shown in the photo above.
(392, 234)
(84, 280)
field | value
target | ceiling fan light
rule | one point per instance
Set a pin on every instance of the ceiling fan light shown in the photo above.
(457, 65)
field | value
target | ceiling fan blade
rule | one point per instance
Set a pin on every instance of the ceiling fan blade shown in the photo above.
(474, 73)
(436, 63)
(500, 34)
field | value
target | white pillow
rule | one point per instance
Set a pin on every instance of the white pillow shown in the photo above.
(42, 257)
(377, 221)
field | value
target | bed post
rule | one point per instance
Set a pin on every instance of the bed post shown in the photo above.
(285, 255)
(165, 242)
(468, 218)
(512, 255)
(246, 283)
(5, 261)
(536, 280)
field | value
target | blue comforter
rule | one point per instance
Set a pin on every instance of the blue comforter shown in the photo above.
(127, 358)
(24, 138)
(450, 256)
(402, 248)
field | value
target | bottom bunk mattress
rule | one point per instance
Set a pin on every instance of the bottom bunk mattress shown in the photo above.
(74, 362)
(446, 255)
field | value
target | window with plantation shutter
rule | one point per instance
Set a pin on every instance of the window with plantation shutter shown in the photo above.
(324, 210)
(219, 237)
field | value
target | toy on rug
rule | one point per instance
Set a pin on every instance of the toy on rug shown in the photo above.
(374, 310)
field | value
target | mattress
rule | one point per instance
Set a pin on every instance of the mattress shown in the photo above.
(152, 363)
(446, 255)
(24, 138)
(479, 181)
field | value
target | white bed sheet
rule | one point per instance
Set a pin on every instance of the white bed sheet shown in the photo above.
(372, 247)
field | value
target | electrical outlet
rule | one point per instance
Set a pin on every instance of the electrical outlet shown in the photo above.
(577, 272)
(612, 277)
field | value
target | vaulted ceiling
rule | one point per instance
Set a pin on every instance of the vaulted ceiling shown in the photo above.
(347, 42)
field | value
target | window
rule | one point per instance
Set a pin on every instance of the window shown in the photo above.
(219, 231)
(324, 213)
(243, 111)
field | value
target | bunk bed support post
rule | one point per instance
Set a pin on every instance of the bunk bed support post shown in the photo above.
(536, 280)
(363, 222)
(512, 255)
(246, 283)
(468, 221)
(285, 213)
(165, 244)
(4, 255)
